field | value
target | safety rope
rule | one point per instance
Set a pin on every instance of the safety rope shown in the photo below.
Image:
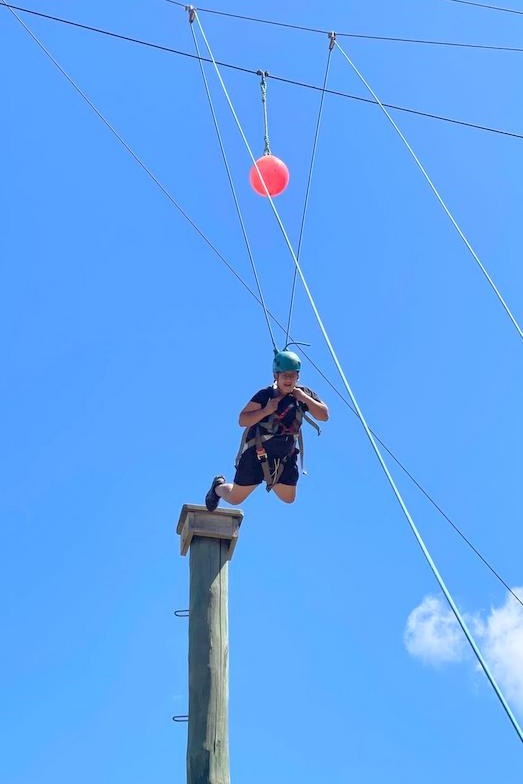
(435, 191)
(231, 184)
(263, 88)
(308, 188)
(363, 421)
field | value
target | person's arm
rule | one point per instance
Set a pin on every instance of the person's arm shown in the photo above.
(253, 412)
(317, 408)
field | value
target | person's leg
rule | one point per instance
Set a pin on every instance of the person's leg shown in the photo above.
(285, 488)
(286, 493)
(234, 494)
(246, 479)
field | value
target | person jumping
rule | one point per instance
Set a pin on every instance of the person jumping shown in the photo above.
(271, 442)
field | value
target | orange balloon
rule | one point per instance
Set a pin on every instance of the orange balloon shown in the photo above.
(274, 173)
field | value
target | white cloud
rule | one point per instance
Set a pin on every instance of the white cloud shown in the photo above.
(503, 646)
(433, 634)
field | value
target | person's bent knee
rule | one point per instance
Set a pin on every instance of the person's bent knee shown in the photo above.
(234, 498)
(286, 493)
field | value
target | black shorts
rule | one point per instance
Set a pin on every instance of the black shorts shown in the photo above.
(250, 472)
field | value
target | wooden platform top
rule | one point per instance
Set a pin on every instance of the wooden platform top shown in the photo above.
(235, 514)
(195, 520)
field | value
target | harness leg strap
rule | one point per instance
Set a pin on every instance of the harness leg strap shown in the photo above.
(274, 478)
(261, 454)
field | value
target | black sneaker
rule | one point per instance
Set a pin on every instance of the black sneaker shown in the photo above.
(212, 499)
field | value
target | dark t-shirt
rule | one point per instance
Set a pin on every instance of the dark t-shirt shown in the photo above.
(288, 402)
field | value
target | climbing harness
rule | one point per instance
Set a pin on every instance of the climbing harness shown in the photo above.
(272, 427)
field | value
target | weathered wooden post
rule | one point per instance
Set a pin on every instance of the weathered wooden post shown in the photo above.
(210, 537)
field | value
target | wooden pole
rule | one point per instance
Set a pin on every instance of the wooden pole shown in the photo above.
(211, 538)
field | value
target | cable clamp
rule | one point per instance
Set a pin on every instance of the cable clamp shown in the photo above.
(192, 13)
(332, 41)
(263, 84)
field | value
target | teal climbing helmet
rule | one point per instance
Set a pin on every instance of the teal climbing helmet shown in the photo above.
(285, 361)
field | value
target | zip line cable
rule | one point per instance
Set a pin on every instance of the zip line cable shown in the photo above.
(233, 191)
(363, 421)
(274, 23)
(50, 17)
(251, 19)
(437, 194)
(490, 7)
(308, 189)
(253, 294)
(491, 47)
(274, 77)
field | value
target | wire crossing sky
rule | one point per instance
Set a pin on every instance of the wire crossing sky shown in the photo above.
(325, 32)
(283, 79)
(486, 5)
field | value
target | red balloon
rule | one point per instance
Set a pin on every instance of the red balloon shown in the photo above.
(274, 174)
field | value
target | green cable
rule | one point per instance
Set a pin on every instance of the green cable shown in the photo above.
(437, 194)
(308, 189)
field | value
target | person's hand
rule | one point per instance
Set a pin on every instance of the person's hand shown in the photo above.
(272, 404)
(298, 394)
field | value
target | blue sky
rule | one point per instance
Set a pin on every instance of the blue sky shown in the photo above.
(128, 349)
